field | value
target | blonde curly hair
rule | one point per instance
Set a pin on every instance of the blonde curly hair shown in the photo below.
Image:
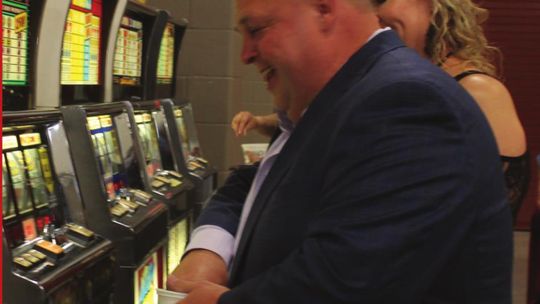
(456, 28)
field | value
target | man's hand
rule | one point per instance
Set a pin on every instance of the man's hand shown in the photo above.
(197, 266)
(243, 122)
(202, 292)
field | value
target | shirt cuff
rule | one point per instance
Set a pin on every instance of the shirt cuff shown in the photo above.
(213, 238)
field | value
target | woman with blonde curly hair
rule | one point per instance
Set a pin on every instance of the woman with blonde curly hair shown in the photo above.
(449, 33)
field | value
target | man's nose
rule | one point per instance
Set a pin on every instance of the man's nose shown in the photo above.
(249, 51)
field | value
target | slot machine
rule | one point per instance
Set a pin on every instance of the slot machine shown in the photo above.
(18, 32)
(185, 154)
(136, 44)
(202, 173)
(49, 254)
(152, 123)
(110, 163)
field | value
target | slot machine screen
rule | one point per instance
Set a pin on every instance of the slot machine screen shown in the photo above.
(29, 199)
(81, 52)
(181, 124)
(165, 67)
(186, 126)
(15, 25)
(107, 151)
(127, 70)
(178, 236)
(146, 281)
(148, 135)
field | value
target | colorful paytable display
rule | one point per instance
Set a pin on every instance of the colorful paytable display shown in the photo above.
(166, 56)
(80, 54)
(14, 42)
(128, 53)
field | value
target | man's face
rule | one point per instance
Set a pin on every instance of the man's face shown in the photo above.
(409, 18)
(278, 37)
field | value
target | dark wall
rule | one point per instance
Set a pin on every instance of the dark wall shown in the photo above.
(514, 26)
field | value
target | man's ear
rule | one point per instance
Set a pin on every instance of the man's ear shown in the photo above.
(327, 11)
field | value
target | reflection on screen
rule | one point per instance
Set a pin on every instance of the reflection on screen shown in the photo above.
(8, 208)
(181, 124)
(14, 42)
(107, 151)
(148, 135)
(27, 184)
(80, 52)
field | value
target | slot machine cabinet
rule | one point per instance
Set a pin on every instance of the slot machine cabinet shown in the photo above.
(184, 135)
(130, 73)
(152, 115)
(47, 256)
(20, 20)
(109, 163)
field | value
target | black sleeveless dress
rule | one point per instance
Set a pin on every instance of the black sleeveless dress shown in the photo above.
(516, 168)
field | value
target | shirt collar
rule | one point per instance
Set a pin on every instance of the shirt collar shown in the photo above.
(284, 123)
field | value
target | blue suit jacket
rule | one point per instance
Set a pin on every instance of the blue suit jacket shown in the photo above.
(389, 190)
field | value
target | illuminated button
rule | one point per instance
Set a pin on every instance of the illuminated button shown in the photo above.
(141, 196)
(157, 184)
(37, 254)
(202, 160)
(175, 182)
(49, 249)
(175, 174)
(30, 258)
(162, 179)
(119, 210)
(80, 231)
(128, 204)
(22, 263)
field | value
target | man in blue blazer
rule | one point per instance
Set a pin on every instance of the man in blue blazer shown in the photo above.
(385, 187)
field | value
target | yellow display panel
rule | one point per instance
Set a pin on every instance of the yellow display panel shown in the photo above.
(128, 52)
(166, 56)
(80, 52)
(14, 42)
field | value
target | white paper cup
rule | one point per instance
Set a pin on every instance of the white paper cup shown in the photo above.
(169, 297)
